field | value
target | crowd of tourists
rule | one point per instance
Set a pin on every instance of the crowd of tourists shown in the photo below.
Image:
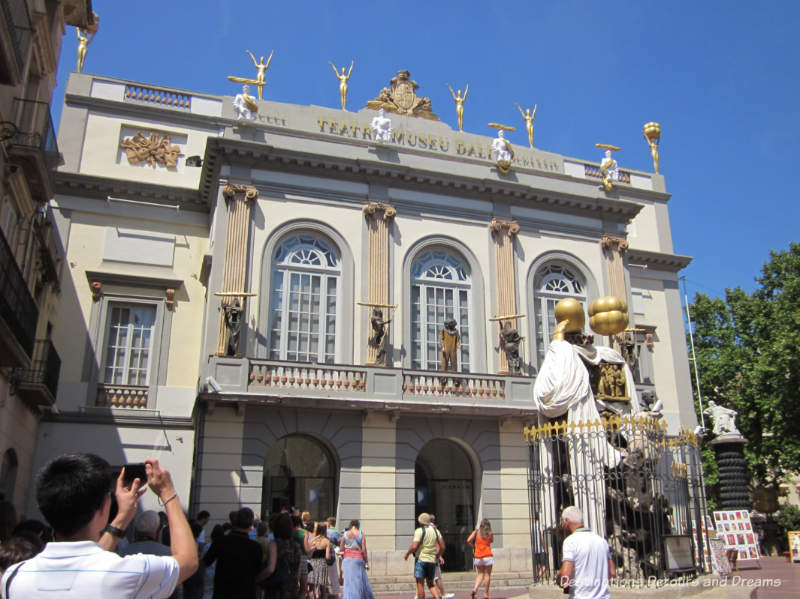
(85, 549)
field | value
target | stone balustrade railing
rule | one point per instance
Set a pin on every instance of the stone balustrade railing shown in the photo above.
(158, 96)
(311, 377)
(122, 396)
(452, 385)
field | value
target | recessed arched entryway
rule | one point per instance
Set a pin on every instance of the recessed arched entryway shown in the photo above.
(299, 471)
(444, 483)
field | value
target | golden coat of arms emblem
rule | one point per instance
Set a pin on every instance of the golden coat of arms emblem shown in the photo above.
(401, 98)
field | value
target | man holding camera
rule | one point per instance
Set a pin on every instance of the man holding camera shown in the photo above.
(73, 493)
(587, 565)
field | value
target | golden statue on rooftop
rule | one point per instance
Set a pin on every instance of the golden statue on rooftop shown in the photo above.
(261, 67)
(652, 133)
(343, 79)
(459, 100)
(528, 116)
(85, 37)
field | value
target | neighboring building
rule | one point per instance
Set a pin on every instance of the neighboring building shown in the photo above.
(30, 250)
(304, 210)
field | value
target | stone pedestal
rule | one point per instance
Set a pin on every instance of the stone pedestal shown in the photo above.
(733, 475)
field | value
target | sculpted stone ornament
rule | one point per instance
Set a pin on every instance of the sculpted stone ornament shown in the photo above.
(450, 340)
(379, 339)
(724, 420)
(233, 323)
(510, 341)
(244, 105)
(381, 127)
(151, 149)
(502, 150)
(609, 167)
(402, 99)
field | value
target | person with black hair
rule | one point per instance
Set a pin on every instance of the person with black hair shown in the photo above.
(238, 559)
(74, 495)
(16, 549)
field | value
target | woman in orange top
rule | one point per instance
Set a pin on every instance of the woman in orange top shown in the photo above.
(481, 542)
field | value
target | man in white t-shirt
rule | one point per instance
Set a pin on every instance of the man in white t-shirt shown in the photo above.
(74, 495)
(587, 565)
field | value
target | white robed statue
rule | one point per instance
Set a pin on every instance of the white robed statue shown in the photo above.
(563, 387)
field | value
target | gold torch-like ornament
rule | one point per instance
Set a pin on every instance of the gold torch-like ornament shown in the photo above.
(652, 133)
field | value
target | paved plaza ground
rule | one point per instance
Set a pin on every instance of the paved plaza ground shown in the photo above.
(762, 579)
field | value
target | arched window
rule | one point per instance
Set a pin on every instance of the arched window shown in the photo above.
(8, 475)
(299, 470)
(441, 289)
(552, 283)
(305, 290)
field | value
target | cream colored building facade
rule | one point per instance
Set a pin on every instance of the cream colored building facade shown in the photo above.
(305, 212)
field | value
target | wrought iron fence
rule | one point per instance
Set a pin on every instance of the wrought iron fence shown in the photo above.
(36, 129)
(637, 487)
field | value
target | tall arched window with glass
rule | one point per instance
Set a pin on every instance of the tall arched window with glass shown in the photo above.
(440, 290)
(552, 283)
(304, 297)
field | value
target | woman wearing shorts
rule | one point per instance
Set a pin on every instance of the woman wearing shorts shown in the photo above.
(481, 542)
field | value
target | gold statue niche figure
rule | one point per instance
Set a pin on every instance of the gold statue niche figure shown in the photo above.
(528, 116)
(459, 100)
(261, 66)
(343, 78)
(85, 37)
(652, 134)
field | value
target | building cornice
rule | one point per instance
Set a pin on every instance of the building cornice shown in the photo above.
(100, 188)
(658, 260)
(266, 156)
(120, 417)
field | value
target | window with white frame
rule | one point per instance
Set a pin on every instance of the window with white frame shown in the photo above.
(306, 273)
(552, 283)
(441, 289)
(129, 344)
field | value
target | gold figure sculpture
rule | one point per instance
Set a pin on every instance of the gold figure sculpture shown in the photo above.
(528, 116)
(261, 67)
(85, 37)
(459, 100)
(343, 79)
(401, 98)
(652, 133)
(151, 149)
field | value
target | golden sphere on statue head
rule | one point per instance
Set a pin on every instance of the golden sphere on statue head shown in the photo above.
(571, 310)
(608, 315)
(652, 131)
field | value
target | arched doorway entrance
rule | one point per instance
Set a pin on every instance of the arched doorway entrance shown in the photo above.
(299, 472)
(443, 481)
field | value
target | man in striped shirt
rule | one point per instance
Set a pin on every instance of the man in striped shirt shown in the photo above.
(74, 495)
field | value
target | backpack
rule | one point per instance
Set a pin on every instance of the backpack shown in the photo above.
(422, 538)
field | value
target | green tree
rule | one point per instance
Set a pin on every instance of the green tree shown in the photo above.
(748, 359)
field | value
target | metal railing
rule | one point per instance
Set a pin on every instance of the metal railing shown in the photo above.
(637, 487)
(45, 367)
(15, 14)
(35, 129)
(17, 307)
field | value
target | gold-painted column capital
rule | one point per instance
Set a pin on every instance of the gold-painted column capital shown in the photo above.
(373, 209)
(246, 192)
(611, 244)
(504, 227)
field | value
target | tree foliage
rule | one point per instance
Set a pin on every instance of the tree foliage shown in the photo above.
(748, 359)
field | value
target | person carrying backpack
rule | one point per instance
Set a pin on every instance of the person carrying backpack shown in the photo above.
(426, 546)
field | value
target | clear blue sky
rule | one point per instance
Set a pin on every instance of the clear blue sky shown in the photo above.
(720, 76)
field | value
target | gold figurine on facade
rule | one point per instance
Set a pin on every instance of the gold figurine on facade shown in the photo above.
(652, 133)
(343, 79)
(528, 116)
(609, 169)
(85, 37)
(261, 67)
(459, 100)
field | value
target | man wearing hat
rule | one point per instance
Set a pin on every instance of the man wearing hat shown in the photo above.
(427, 546)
